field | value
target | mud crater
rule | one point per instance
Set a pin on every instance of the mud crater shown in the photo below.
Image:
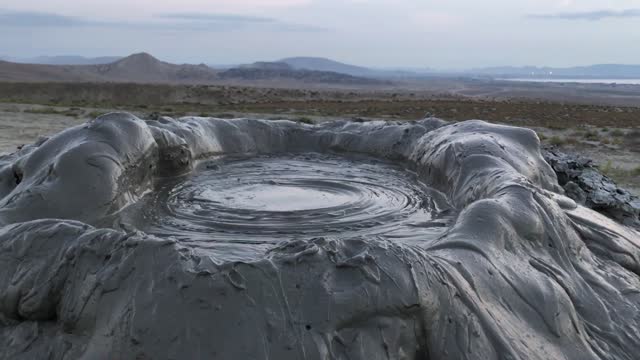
(263, 199)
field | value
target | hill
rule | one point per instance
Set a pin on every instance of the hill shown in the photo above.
(63, 60)
(143, 67)
(140, 68)
(281, 71)
(323, 64)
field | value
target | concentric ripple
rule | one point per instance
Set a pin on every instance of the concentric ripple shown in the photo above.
(267, 199)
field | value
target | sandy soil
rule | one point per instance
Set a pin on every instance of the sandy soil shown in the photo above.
(18, 127)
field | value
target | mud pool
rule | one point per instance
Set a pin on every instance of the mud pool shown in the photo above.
(258, 200)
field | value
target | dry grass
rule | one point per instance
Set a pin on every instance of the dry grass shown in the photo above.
(618, 173)
(196, 99)
(591, 135)
(557, 140)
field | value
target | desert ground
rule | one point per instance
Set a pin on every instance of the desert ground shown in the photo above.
(585, 120)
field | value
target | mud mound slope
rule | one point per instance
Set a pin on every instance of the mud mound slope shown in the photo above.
(518, 270)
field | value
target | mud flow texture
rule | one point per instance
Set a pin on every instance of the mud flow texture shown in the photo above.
(131, 239)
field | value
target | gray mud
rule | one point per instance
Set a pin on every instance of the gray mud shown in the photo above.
(245, 205)
(124, 238)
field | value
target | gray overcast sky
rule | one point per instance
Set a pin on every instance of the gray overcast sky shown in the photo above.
(416, 33)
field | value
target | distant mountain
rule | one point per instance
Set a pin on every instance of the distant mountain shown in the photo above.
(65, 60)
(282, 71)
(323, 64)
(265, 65)
(145, 68)
(140, 68)
(11, 71)
(594, 71)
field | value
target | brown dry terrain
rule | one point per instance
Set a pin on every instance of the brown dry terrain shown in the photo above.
(194, 99)
(609, 134)
(135, 68)
(143, 68)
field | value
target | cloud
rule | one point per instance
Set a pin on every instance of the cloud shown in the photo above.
(174, 21)
(38, 19)
(217, 18)
(196, 21)
(589, 15)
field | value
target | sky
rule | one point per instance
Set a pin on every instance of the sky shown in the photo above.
(440, 34)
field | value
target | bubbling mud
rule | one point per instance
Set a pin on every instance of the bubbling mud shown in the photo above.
(259, 200)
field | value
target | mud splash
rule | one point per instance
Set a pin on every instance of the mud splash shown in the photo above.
(516, 271)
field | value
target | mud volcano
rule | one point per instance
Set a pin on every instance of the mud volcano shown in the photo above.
(249, 239)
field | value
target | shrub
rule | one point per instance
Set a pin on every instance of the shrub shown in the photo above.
(541, 136)
(607, 168)
(572, 141)
(47, 110)
(557, 140)
(591, 135)
(617, 133)
(95, 114)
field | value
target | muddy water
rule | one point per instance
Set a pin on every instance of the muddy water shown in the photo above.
(266, 199)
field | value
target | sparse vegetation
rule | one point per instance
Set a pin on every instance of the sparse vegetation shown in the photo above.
(591, 135)
(607, 168)
(572, 141)
(617, 133)
(541, 136)
(46, 110)
(620, 174)
(557, 140)
(212, 99)
(95, 114)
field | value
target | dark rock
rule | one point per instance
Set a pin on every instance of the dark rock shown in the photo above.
(583, 183)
